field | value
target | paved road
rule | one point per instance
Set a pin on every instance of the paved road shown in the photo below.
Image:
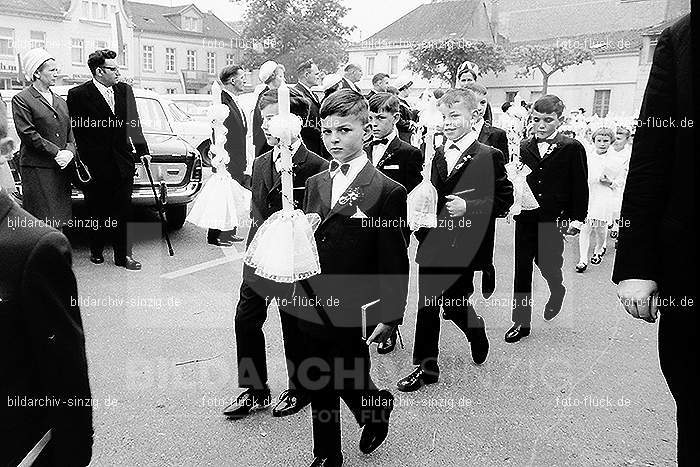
(583, 390)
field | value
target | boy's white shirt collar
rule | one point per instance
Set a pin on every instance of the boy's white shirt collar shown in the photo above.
(341, 182)
(464, 142)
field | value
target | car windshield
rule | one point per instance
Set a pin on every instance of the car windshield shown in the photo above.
(178, 114)
(153, 119)
(194, 108)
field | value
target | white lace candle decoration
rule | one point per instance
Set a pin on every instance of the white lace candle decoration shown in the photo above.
(284, 248)
(422, 200)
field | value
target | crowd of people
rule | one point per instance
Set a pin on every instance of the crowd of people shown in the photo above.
(355, 157)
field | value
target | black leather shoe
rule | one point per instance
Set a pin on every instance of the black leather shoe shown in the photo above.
(479, 343)
(129, 263)
(335, 461)
(219, 242)
(554, 304)
(291, 401)
(388, 345)
(97, 258)
(375, 431)
(488, 282)
(517, 332)
(249, 401)
(417, 379)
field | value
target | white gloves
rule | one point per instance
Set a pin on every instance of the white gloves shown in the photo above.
(63, 158)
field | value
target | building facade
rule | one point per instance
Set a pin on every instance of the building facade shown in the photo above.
(165, 49)
(619, 33)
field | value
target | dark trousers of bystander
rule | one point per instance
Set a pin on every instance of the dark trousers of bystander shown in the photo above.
(109, 203)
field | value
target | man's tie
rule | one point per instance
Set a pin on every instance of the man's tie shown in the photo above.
(110, 98)
(376, 142)
(335, 166)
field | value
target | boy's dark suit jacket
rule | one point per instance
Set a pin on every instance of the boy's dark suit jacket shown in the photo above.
(496, 138)
(467, 241)
(235, 145)
(360, 263)
(106, 150)
(41, 342)
(401, 162)
(658, 208)
(559, 181)
(266, 187)
(311, 132)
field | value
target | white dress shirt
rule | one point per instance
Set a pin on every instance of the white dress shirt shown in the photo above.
(107, 93)
(341, 181)
(452, 155)
(238, 105)
(544, 145)
(378, 150)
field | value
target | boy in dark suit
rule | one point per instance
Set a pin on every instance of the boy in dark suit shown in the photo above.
(472, 188)
(395, 158)
(496, 138)
(256, 292)
(363, 256)
(559, 181)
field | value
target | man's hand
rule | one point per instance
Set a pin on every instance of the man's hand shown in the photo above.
(381, 333)
(638, 296)
(456, 206)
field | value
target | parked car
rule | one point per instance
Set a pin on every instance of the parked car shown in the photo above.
(176, 165)
(195, 132)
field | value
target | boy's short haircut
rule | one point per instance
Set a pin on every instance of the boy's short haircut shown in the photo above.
(454, 96)
(351, 66)
(478, 88)
(624, 130)
(378, 77)
(298, 104)
(549, 104)
(344, 103)
(384, 102)
(603, 131)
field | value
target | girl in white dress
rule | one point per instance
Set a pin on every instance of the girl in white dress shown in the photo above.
(600, 194)
(617, 166)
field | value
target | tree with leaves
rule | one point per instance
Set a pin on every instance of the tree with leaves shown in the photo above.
(547, 60)
(442, 59)
(292, 31)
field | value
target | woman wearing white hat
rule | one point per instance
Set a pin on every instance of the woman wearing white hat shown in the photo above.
(467, 73)
(46, 141)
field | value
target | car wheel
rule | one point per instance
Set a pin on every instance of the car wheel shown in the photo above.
(176, 216)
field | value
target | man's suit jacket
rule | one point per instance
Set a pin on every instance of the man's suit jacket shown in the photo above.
(259, 139)
(496, 138)
(558, 180)
(106, 149)
(43, 128)
(401, 162)
(346, 84)
(311, 132)
(41, 342)
(266, 188)
(235, 146)
(657, 239)
(467, 241)
(360, 262)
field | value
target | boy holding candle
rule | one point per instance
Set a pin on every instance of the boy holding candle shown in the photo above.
(256, 292)
(360, 263)
(472, 188)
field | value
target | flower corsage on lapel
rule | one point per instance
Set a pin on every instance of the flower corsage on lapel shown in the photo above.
(549, 150)
(351, 197)
(461, 163)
